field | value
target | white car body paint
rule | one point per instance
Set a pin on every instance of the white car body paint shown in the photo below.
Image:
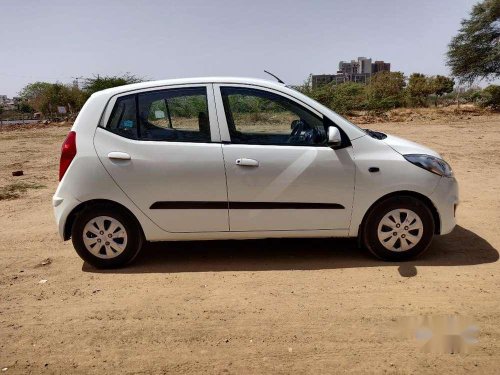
(182, 171)
(404, 146)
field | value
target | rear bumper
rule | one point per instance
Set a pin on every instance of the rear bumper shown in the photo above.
(62, 208)
(445, 199)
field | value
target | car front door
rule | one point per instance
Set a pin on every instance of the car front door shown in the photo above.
(281, 174)
(162, 147)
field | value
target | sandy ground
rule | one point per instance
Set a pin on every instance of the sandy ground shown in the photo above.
(272, 306)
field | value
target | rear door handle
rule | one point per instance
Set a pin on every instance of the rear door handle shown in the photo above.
(119, 155)
(244, 162)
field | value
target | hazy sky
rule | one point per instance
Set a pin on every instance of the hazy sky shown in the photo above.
(57, 40)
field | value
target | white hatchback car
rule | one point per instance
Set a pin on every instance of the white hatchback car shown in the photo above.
(236, 158)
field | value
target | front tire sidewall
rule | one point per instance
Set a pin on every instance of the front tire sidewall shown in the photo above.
(134, 237)
(370, 235)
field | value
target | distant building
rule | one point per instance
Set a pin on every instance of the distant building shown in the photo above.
(380, 66)
(7, 103)
(323, 79)
(362, 66)
(358, 71)
(348, 67)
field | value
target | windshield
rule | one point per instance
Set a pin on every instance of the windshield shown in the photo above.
(333, 116)
(351, 123)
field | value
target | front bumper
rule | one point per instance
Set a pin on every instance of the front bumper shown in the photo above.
(445, 199)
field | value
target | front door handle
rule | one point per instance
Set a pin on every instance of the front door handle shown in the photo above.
(119, 155)
(244, 162)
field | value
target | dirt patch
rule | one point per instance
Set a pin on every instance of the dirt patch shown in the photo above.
(419, 115)
(24, 127)
(268, 306)
(14, 190)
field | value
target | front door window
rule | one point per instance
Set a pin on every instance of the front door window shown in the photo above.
(264, 118)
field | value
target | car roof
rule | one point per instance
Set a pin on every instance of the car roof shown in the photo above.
(187, 81)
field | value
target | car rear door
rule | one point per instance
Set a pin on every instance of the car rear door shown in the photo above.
(276, 181)
(162, 147)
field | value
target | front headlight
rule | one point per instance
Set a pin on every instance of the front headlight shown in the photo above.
(430, 163)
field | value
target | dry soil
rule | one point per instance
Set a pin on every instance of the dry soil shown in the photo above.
(270, 306)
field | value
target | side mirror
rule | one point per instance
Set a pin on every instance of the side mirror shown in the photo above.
(334, 138)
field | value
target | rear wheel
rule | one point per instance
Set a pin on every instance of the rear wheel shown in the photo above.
(106, 237)
(398, 228)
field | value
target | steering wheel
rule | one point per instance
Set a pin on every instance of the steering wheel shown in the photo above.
(302, 133)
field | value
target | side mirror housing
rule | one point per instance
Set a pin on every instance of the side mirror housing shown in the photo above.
(334, 137)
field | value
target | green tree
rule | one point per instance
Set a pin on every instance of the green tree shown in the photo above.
(24, 107)
(471, 95)
(321, 94)
(98, 83)
(385, 90)
(77, 98)
(475, 52)
(419, 88)
(57, 95)
(440, 85)
(306, 87)
(490, 97)
(342, 98)
(347, 97)
(45, 97)
(36, 94)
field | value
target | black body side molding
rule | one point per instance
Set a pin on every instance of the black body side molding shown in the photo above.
(200, 205)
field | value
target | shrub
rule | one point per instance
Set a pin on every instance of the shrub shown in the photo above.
(385, 91)
(490, 97)
(348, 97)
(342, 98)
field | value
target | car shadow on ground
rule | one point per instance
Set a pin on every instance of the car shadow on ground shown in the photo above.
(461, 247)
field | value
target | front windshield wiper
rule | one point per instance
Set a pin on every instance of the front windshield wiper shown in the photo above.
(374, 134)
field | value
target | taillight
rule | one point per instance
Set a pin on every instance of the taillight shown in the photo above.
(68, 152)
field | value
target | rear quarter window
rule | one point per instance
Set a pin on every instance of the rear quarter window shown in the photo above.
(123, 119)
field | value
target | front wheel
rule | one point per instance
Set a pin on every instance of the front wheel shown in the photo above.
(399, 228)
(106, 237)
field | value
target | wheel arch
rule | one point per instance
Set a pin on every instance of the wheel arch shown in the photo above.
(93, 203)
(405, 193)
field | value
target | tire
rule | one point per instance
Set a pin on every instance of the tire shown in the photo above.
(388, 241)
(106, 236)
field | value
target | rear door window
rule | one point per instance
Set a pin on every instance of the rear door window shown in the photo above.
(176, 115)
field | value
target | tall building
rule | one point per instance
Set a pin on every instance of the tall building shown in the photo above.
(359, 71)
(348, 67)
(364, 65)
(380, 66)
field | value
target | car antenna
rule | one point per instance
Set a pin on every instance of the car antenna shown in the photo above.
(271, 74)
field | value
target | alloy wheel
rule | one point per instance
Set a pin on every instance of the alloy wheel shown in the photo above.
(105, 237)
(400, 230)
